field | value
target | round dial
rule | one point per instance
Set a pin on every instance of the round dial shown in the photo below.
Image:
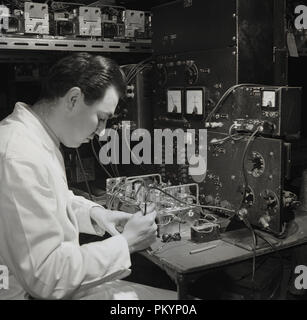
(255, 164)
(191, 74)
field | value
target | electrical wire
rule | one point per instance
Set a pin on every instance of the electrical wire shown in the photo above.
(224, 140)
(131, 151)
(114, 195)
(244, 219)
(101, 5)
(115, 164)
(233, 136)
(111, 164)
(225, 96)
(260, 264)
(84, 176)
(61, 6)
(136, 66)
(97, 158)
(93, 222)
(243, 166)
(281, 260)
(159, 248)
(258, 234)
(193, 204)
(251, 229)
(280, 235)
(136, 72)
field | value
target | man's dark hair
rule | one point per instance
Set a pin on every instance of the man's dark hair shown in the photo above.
(92, 74)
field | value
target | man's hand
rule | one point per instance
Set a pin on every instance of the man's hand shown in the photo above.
(140, 231)
(112, 222)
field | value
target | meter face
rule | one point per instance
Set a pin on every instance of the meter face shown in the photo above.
(195, 102)
(269, 99)
(174, 101)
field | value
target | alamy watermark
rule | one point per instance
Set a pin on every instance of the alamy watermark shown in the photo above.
(4, 277)
(300, 21)
(191, 148)
(300, 281)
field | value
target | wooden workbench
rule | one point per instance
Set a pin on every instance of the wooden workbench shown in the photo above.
(185, 268)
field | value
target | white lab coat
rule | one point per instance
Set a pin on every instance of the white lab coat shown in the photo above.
(40, 220)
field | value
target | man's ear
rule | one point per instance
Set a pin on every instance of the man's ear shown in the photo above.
(72, 97)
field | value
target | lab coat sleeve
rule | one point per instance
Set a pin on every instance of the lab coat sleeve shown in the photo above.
(81, 208)
(36, 250)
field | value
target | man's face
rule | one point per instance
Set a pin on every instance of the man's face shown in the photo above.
(86, 120)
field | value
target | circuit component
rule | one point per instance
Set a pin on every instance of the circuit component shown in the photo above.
(270, 202)
(173, 203)
(134, 23)
(255, 185)
(249, 196)
(4, 18)
(68, 19)
(113, 26)
(274, 111)
(89, 19)
(204, 230)
(36, 18)
(270, 206)
(64, 24)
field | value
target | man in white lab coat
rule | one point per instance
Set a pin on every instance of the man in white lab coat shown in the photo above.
(40, 219)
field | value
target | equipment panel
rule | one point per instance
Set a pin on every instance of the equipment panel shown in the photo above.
(43, 24)
(277, 110)
(253, 178)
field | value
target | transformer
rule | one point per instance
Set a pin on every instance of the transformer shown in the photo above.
(36, 18)
(134, 23)
(4, 18)
(89, 22)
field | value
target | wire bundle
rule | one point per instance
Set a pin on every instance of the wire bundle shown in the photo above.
(136, 69)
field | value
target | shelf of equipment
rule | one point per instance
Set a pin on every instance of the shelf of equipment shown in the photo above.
(51, 44)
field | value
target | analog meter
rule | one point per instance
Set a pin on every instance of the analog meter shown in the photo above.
(174, 101)
(269, 99)
(195, 102)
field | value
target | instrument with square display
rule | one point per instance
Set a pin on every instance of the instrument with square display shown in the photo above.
(276, 109)
(195, 101)
(174, 101)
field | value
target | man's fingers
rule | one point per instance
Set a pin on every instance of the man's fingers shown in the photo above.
(125, 216)
(110, 228)
(152, 215)
(150, 207)
(121, 214)
(139, 214)
(155, 227)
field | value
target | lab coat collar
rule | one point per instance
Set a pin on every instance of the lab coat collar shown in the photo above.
(36, 125)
